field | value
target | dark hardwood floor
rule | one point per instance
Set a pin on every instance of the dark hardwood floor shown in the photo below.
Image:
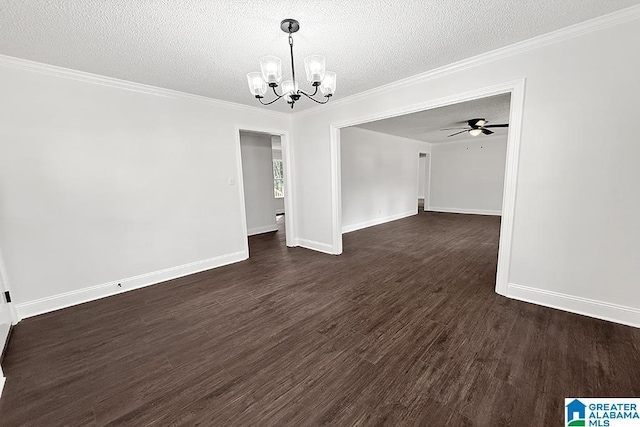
(403, 329)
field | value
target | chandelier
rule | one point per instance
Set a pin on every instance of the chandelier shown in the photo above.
(270, 75)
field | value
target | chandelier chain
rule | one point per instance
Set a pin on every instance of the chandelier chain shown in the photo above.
(293, 69)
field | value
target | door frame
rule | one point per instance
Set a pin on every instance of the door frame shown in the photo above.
(4, 287)
(289, 213)
(2, 381)
(427, 185)
(516, 88)
(13, 314)
(424, 181)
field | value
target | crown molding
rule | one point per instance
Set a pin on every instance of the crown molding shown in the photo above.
(556, 36)
(82, 76)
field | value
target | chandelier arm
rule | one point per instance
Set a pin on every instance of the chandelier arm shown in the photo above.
(270, 102)
(276, 93)
(314, 100)
(313, 94)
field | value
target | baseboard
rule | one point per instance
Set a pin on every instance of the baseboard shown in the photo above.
(377, 221)
(465, 211)
(587, 307)
(279, 211)
(315, 246)
(57, 302)
(263, 229)
(2, 381)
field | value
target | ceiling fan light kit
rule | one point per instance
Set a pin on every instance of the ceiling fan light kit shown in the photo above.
(270, 75)
(477, 127)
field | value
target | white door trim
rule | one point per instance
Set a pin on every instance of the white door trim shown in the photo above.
(516, 88)
(2, 381)
(10, 313)
(427, 185)
(424, 179)
(289, 184)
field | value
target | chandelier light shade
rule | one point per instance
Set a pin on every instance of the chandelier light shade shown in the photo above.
(271, 68)
(270, 75)
(289, 87)
(328, 85)
(257, 85)
(314, 65)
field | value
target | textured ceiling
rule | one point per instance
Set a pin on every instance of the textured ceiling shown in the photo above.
(426, 125)
(207, 47)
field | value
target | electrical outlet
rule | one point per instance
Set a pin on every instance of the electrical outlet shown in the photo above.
(231, 181)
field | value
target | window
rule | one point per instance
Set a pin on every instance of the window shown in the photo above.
(278, 179)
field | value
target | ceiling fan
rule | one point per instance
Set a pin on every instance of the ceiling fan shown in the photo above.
(476, 127)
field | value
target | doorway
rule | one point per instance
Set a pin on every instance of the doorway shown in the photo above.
(5, 328)
(264, 182)
(8, 317)
(515, 89)
(5, 324)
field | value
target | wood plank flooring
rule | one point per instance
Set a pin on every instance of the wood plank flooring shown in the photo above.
(403, 329)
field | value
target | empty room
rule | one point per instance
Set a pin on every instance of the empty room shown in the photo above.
(319, 213)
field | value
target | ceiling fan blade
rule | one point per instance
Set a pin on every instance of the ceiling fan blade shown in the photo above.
(462, 131)
(474, 122)
(487, 131)
(504, 125)
(453, 128)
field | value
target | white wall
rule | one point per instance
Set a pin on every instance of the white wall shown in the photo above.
(468, 176)
(379, 177)
(422, 170)
(102, 185)
(257, 174)
(575, 231)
